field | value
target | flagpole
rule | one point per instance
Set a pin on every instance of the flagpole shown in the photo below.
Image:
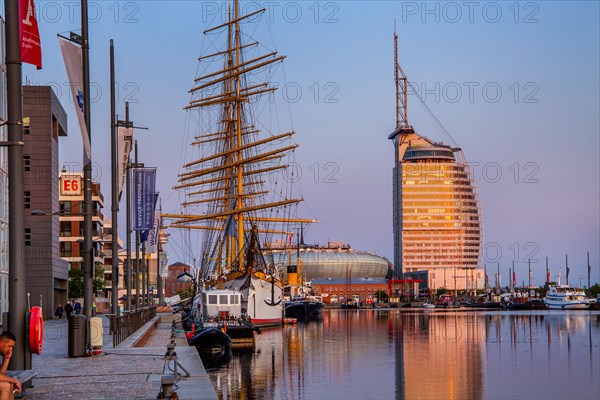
(529, 262)
(589, 269)
(137, 247)
(88, 261)
(567, 267)
(16, 256)
(114, 187)
(128, 216)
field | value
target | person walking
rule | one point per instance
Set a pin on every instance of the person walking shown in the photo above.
(77, 308)
(68, 309)
(59, 311)
(8, 385)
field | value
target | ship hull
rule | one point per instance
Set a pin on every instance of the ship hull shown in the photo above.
(572, 306)
(260, 298)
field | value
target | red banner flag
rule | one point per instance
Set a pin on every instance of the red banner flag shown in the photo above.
(514, 279)
(31, 49)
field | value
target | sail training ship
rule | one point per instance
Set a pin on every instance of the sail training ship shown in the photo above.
(236, 191)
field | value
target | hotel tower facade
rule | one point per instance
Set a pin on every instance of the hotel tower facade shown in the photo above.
(437, 220)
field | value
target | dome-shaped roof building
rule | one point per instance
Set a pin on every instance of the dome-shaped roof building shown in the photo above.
(335, 260)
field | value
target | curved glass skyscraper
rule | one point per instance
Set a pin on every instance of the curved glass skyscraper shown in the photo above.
(437, 223)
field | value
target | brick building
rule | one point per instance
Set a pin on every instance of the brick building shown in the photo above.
(172, 285)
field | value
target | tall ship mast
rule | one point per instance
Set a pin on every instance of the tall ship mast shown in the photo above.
(238, 191)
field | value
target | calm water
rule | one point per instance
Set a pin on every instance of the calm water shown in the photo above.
(375, 354)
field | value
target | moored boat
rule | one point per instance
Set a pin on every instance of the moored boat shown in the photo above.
(564, 297)
(303, 308)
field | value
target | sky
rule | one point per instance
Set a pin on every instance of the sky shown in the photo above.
(515, 84)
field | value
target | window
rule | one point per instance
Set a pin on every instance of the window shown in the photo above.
(65, 228)
(27, 237)
(65, 207)
(223, 299)
(27, 199)
(212, 299)
(27, 162)
(66, 249)
(233, 299)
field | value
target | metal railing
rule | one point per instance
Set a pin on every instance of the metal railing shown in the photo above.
(129, 322)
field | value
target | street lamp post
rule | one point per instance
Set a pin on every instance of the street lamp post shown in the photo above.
(88, 296)
(114, 187)
(16, 256)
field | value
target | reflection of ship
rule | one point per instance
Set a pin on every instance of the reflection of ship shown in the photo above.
(233, 189)
(564, 297)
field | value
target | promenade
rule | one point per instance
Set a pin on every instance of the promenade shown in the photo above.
(124, 372)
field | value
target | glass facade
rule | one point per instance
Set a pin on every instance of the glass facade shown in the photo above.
(437, 214)
(3, 183)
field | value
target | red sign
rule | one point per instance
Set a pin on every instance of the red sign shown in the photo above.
(31, 49)
(70, 185)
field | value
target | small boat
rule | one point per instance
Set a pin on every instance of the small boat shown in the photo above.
(564, 297)
(302, 308)
(217, 321)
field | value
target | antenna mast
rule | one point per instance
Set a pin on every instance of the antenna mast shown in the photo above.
(401, 88)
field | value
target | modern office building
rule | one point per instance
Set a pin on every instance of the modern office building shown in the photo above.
(44, 122)
(3, 183)
(437, 222)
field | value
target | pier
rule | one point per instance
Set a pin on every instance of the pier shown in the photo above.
(131, 370)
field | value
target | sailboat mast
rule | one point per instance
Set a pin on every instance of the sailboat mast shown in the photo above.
(240, 166)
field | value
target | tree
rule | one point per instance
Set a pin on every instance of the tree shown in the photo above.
(75, 283)
(381, 296)
(441, 291)
(593, 291)
(99, 278)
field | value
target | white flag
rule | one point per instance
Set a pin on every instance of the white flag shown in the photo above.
(125, 136)
(72, 57)
(152, 245)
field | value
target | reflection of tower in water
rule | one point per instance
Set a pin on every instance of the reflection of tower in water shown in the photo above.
(438, 356)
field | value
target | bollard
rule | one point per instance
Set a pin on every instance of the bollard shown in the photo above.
(167, 383)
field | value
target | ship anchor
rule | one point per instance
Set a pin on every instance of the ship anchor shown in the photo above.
(273, 303)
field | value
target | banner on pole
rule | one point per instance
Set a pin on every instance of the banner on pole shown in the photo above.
(31, 48)
(152, 246)
(125, 138)
(144, 183)
(72, 57)
(162, 264)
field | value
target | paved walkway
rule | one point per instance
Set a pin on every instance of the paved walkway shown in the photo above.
(123, 372)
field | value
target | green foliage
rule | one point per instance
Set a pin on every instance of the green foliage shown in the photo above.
(441, 291)
(593, 291)
(381, 296)
(99, 278)
(75, 283)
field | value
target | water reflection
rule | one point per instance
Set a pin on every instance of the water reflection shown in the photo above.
(378, 354)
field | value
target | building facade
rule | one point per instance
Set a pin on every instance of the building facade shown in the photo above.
(437, 223)
(336, 290)
(44, 122)
(172, 285)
